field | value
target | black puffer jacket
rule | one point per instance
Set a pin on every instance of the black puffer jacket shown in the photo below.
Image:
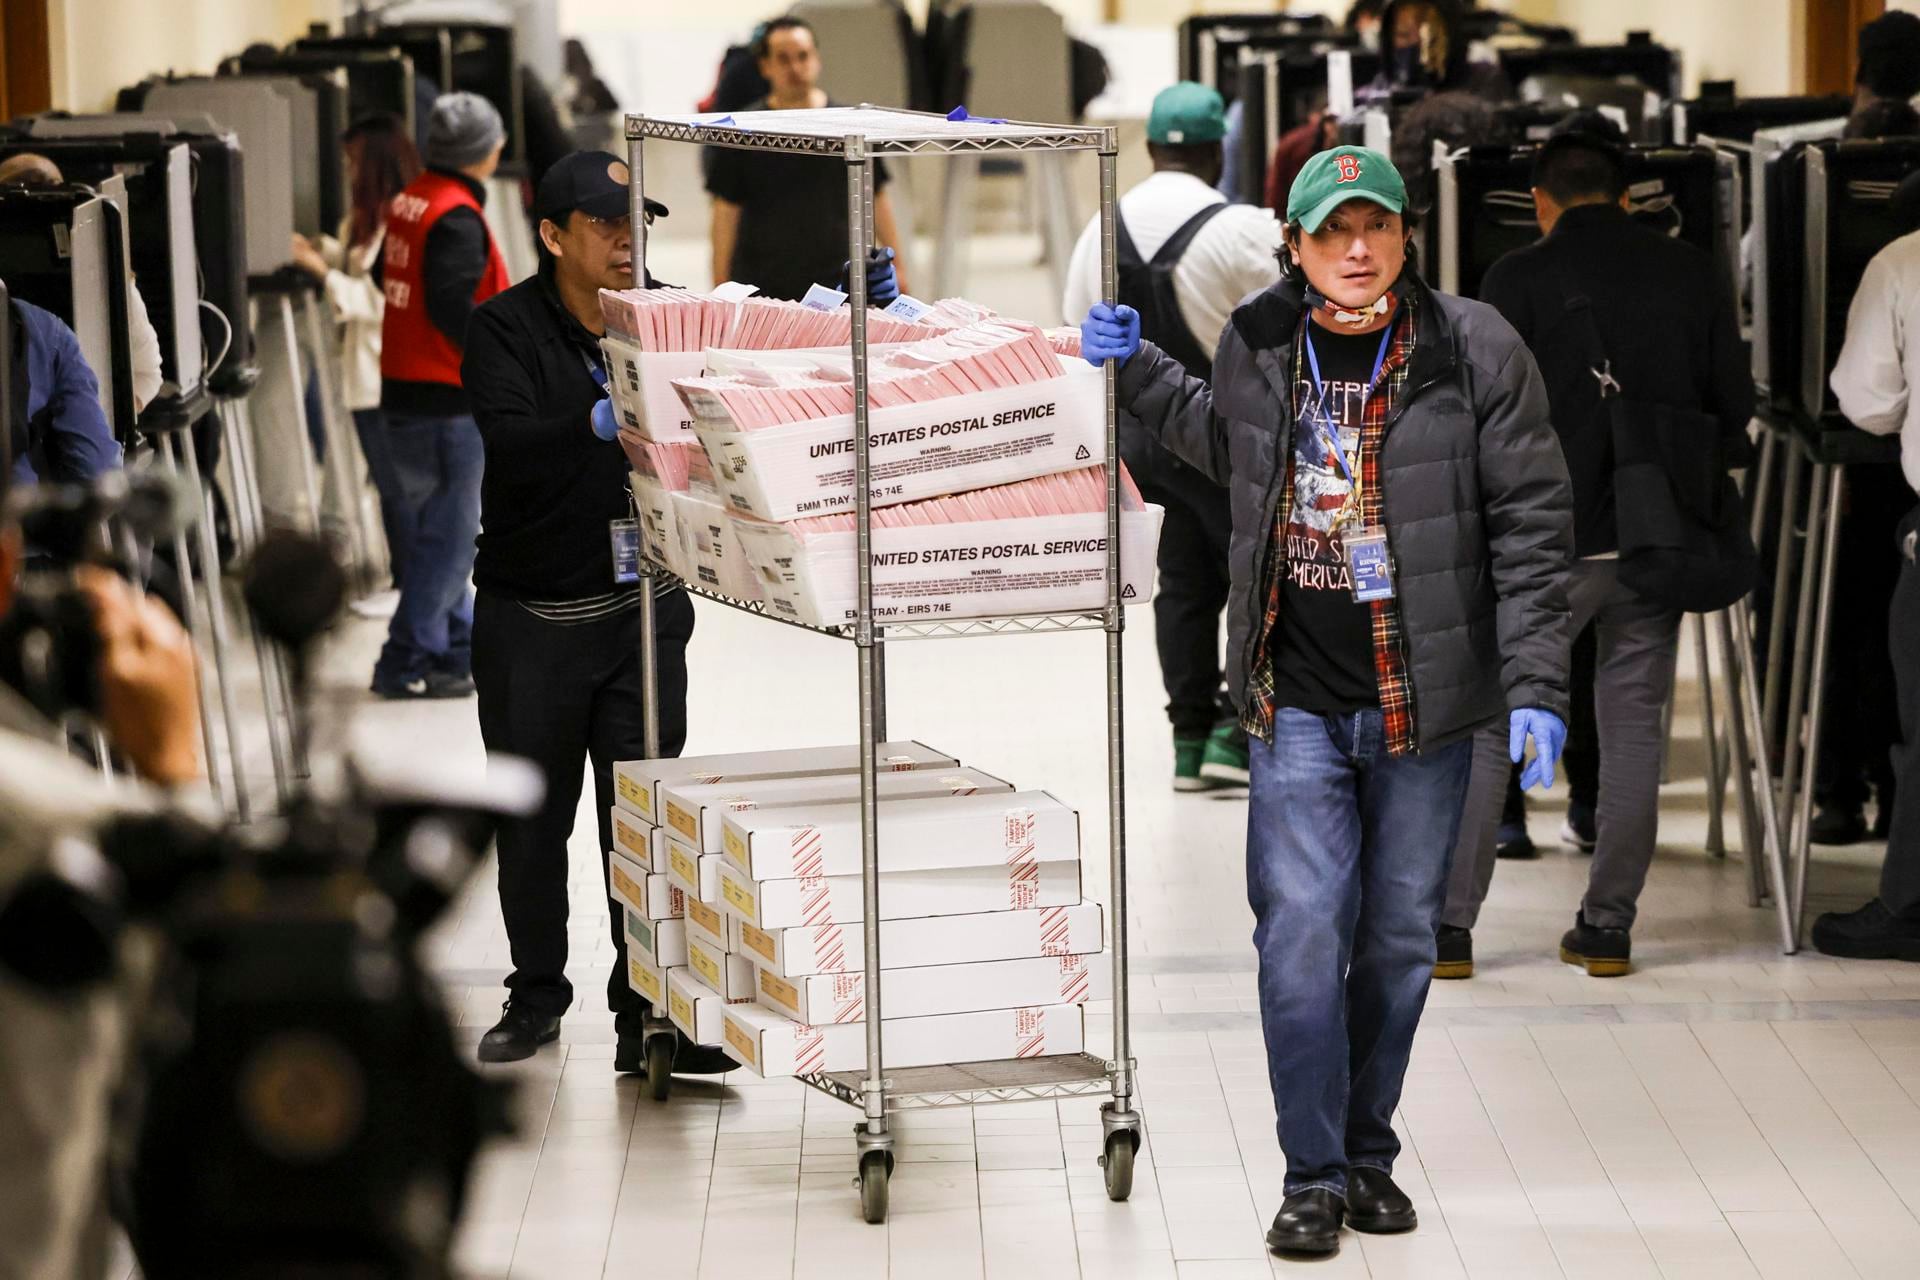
(1479, 512)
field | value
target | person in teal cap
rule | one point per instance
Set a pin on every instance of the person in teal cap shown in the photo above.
(1186, 257)
(1402, 538)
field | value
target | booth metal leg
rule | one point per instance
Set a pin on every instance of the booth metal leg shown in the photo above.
(309, 474)
(956, 227)
(1796, 765)
(344, 470)
(1773, 841)
(1802, 847)
(1046, 174)
(275, 693)
(1782, 580)
(1740, 753)
(186, 453)
(1709, 730)
(202, 658)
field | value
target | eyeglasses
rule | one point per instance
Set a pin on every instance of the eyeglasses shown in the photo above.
(613, 226)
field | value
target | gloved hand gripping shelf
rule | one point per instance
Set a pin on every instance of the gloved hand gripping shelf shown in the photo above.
(990, 950)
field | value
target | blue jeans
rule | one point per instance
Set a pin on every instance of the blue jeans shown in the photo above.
(438, 463)
(397, 516)
(1347, 857)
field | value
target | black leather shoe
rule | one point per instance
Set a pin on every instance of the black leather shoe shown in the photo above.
(1604, 953)
(689, 1059)
(1871, 933)
(1375, 1205)
(1455, 956)
(1308, 1222)
(1513, 844)
(519, 1034)
(1832, 826)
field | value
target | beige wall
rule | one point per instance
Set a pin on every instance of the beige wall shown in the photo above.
(102, 46)
(1756, 42)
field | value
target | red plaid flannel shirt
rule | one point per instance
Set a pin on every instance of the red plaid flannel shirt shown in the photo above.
(1389, 647)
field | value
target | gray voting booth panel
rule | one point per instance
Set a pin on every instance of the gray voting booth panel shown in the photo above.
(262, 117)
(93, 325)
(1017, 62)
(860, 51)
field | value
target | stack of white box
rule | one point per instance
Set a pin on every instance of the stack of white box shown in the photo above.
(671, 933)
(987, 949)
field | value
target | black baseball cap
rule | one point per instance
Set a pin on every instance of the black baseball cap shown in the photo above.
(594, 182)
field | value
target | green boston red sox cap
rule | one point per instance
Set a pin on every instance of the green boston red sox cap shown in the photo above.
(1332, 178)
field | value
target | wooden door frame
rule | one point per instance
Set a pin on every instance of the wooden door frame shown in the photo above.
(1830, 30)
(26, 58)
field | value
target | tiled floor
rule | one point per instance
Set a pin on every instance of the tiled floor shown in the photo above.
(1722, 1112)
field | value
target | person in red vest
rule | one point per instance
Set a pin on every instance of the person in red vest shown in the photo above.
(439, 264)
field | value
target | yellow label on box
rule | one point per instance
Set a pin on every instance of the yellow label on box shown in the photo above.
(705, 965)
(682, 821)
(644, 980)
(623, 884)
(681, 1009)
(784, 994)
(685, 863)
(739, 896)
(759, 942)
(634, 842)
(636, 795)
(735, 845)
(743, 1044)
(706, 917)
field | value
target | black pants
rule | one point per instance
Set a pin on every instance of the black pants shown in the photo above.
(1581, 758)
(1900, 877)
(1860, 723)
(1193, 587)
(562, 696)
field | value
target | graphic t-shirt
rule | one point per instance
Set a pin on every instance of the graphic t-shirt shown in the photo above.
(1323, 639)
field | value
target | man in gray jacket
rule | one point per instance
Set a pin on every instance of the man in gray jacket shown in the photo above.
(1402, 534)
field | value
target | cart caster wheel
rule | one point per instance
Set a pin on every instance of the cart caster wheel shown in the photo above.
(659, 1067)
(1117, 1163)
(875, 1168)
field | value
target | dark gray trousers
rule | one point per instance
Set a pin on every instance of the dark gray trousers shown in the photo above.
(1900, 876)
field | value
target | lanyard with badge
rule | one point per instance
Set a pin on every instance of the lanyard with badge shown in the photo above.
(624, 535)
(1368, 562)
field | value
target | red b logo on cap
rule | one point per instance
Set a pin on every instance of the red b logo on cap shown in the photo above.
(1349, 168)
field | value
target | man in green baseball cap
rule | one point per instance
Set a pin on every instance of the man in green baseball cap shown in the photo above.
(1186, 258)
(1402, 536)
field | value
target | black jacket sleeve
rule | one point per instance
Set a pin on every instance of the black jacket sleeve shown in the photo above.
(456, 259)
(502, 376)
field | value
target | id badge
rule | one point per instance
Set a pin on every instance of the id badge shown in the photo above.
(1370, 565)
(625, 535)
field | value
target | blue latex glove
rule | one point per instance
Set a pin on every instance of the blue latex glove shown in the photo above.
(1549, 734)
(1109, 333)
(883, 286)
(605, 425)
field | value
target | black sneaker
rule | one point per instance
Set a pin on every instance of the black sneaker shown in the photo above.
(1513, 844)
(1835, 825)
(1376, 1205)
(435, 684)
(519, 1034)
(1308, 1223)
(1870, 933)
(1580, 830)
(1604, 953)
(1455, 958)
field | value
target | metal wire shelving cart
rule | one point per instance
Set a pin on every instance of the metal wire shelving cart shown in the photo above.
(858, 136)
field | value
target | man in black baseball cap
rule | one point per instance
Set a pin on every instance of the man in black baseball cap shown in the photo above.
(556, 637)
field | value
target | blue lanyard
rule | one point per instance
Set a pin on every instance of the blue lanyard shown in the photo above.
(1320, 423)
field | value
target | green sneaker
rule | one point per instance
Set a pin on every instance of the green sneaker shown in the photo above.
(1187, 754)
(1224, 762)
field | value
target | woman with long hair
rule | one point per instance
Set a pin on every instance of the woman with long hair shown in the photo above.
(380, 162)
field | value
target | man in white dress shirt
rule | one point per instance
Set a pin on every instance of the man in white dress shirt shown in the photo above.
(1186, 259)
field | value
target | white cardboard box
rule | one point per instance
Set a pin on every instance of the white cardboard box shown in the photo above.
(641, 892)
(779, 904)
(714, 558)
(706, 921)
(805, 950)
(660, 534)
(694, 1007)
(770, 1045)
(686, 872)
(641, 841)
(662, 943)
(995, 829)
(915, 451)
(650, 980)
(635, 782)
(730, 975)
(694, 810)
(946, 988)
(927, 573)
(641, 384)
